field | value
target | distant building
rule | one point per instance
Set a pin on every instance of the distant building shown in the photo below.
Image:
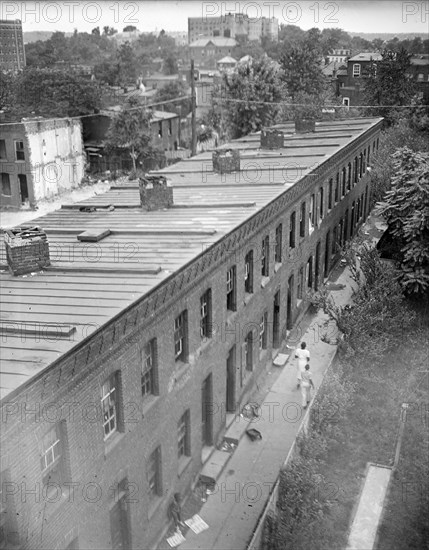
(419, 72)
(350, 82)
(227, 63)
(340, 56)
(39, 159)
(233, 26)
(12, 52)
(207, 51)
(158, 80)
(122, 37)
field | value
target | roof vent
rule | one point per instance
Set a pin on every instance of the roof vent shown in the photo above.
(272, 139)
(155, 193)
(226, 161)
(27, 249)
(93, 235)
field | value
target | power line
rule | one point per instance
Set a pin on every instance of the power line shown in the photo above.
(78, 117)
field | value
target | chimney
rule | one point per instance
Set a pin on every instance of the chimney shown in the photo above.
(155, 193)
(226, 161)
(272, 139)
(27, 249)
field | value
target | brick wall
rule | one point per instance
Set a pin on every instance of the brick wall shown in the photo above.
(97, 466)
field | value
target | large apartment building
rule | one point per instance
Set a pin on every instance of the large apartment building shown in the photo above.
(149, 315)
(12, 51)
(233, 26)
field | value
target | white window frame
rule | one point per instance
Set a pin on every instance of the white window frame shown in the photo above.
(356, 70)
(106, 396)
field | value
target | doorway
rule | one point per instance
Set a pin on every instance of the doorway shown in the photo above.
(23, 188)
(230, 380)
(207, 411)
(276, 320)
(289, 319)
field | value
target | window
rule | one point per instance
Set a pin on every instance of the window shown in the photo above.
(337, 188)
(356, 69)
(321, 203)
(330, 186)
(334, 242)
(292, 228)
(205, 314)
(356, 170)
(181, 337)
(300, 284)
(343, 182)
(279, 238)
(154, 474)
(149, 369)
(248, 351)
(169, 127)
(420, 77)
(51, 461)
(302, 220)
(184, 435)
(309, 272)
(248, 272)
(109, 405)
(346, 100)
(265, 257)
(349, 177)
(160, 129)
(231, 290)
(2, 149)
(263, 331)
(360, 165)
(312, 214)
(369, 154)
(19, 150)
(5, 185)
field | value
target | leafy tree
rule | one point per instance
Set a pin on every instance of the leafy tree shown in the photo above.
(108, 72)
(406, 211)
(302, 72)
(173, 90)
(387, 82)
(127, 63)
(96, 31)
(249, 95)
(170, 65)
(109, 31)
(129, 28)
(6, 90)
(53, 93)
(130, 130)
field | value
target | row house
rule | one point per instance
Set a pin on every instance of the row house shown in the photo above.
(144, 327)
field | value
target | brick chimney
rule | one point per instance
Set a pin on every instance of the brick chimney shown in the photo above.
(272, 139)
(155, 193)
(27, 249)
(226, 161)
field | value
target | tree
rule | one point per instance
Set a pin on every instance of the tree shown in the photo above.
(130, 130)
(173, 90)
(170, 65)
(6, 90)
(406, 211)
(127, 63)
(250, 95)
(387, 82)
(54, 93)
(96, 31)
(129, 28)
(302, 72)
(109, 31)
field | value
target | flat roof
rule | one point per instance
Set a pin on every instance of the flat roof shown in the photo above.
(45, 314)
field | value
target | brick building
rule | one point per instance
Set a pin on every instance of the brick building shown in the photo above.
(12, 51)
(236, 25)
(207, 51)
(39, 159)
(152, 321)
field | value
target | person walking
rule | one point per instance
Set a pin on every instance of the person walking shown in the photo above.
(306, 385)
(303, 356)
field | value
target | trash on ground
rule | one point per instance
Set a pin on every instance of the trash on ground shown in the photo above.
(176, 539)
(197, 524)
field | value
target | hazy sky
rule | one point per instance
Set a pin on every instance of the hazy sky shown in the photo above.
(355, 16)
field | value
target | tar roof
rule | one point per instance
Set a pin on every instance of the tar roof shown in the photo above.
(87, 286)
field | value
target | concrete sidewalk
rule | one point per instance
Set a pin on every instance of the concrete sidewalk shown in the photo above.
(233, 509)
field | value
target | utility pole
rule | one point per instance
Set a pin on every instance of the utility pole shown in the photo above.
(194, 119)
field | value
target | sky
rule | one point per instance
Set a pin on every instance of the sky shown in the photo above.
(372, 16)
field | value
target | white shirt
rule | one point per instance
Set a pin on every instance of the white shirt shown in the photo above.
(303, 357)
